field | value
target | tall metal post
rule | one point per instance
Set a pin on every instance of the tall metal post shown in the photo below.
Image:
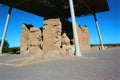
(5, 30)
(98, 30)
(74, 25)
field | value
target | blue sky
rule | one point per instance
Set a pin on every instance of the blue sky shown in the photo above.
(109, 23)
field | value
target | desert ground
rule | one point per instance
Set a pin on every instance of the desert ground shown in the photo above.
(93, 65)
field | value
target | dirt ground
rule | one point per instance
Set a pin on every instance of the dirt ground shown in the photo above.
(93, 65)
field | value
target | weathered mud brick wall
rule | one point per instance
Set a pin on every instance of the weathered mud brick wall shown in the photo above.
(24, 38)
(83, 34)
(83, 37)
(57, 34)
(31, 39)
(52, 34)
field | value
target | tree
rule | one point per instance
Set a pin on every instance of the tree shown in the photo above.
(5, 46)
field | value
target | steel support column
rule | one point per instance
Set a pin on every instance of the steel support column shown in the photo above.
(98, 30)
(5, 30)
(74, 25)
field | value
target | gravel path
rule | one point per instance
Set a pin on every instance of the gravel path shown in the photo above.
(105, 65)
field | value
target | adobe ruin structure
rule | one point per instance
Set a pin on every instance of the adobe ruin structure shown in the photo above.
(55, 35)
(58, 9)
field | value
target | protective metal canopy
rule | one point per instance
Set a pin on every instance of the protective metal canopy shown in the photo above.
(58, 8)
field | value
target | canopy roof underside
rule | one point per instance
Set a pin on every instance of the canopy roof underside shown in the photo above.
(58, 8)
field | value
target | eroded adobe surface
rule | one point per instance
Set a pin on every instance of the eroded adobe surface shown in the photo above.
(31, 39)
(55, 35)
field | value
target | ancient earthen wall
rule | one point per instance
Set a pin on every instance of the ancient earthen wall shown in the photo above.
(56, 35)
(31, 39)
(83, 37)
(24, 39)
(83, 34)
(52, 34)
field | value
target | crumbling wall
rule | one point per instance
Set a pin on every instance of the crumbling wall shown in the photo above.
(83, 37)
(35, 40)
(31, 39)
(57, 34)
(52, 34)
(66, 46)
(24, 39)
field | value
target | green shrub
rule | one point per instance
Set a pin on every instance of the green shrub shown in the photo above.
(5, 47)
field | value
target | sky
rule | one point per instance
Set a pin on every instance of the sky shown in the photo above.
(109, 24)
